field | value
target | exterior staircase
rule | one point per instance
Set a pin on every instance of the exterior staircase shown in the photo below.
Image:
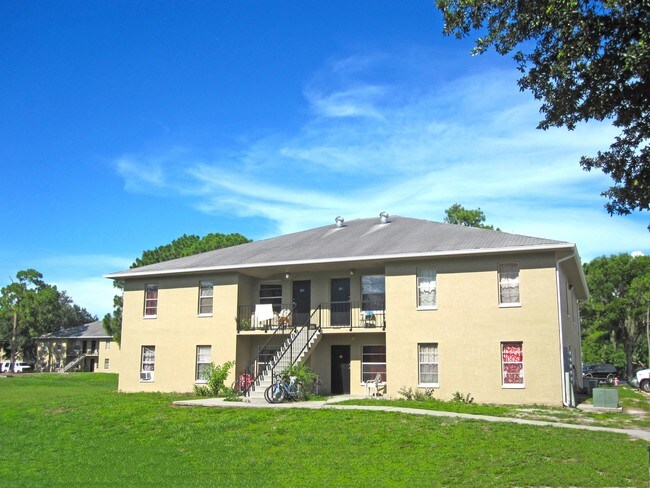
(295, 350)
(72, 364)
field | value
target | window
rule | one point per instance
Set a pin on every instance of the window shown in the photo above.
(106, 363)
(373, 362)
(203, 360)
(148, 362)
(509, 284)
(265, 357)
(426, 282)
(107, 346)
(373, 293)
(512, 364)
(428, 364)
(151, 301)
(271, 293)
(206, 295)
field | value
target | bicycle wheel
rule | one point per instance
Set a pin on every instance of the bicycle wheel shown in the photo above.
(274, 393)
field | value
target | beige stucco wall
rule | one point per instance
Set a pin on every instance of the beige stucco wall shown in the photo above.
(469, 326)
(176, 331)
(112, 354)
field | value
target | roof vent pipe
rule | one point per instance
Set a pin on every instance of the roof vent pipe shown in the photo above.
(339, 221)
(383, 217)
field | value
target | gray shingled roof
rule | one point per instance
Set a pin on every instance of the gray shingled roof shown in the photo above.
(358, 239)
(93, 330)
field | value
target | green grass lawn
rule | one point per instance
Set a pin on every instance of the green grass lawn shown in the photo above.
(77, 430)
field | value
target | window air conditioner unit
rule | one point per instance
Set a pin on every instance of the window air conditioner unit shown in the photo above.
(146, 376)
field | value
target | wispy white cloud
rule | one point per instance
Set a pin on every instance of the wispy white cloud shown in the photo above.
(381, 140)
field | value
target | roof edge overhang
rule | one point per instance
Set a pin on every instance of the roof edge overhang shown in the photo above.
(74, 337)
(387, 257)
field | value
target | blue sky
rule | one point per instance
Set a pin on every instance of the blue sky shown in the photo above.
(124, 125)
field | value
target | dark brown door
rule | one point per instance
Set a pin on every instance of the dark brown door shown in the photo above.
(340, 370)
(301, 301)
(340, 294)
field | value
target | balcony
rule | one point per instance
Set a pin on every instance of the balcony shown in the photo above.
(342, 316)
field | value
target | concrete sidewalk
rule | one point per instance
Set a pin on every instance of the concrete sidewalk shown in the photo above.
(332, 405)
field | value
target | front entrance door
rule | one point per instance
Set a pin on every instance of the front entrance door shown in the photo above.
(301, 301)
(341, 370)
(340, 295)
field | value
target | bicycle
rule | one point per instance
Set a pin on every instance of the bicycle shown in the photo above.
(284, 387)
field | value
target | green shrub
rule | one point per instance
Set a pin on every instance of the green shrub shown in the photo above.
(417, 395)
(215, 376)
(462, 398)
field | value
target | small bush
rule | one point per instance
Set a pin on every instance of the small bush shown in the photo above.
(216, 375)
(417, 395)
(462, 398)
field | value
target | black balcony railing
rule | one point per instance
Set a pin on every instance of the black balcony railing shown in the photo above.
(283, 317)
(335, 315)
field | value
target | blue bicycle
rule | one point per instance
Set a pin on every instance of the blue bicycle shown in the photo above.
(284, 388)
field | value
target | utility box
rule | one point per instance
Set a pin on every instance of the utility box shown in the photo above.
(590, 384)
(605, 397)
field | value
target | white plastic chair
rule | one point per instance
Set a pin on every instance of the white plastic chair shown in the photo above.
(373, 385)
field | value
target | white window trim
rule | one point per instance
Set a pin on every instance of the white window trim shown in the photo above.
(512, 386)
(417, 289)
(200, 381)
(144, 311)
(428, 385)
(142, 364)
(208, 314)
(509, 304)
(363, 383)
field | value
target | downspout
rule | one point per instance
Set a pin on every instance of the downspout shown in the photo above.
(565, 402)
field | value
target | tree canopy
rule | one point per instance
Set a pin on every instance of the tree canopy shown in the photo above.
(40, 308)
(459, 215)
(615, 318)
(585, 60)
(178, 248)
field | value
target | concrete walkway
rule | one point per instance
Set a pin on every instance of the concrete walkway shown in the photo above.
(332, 405)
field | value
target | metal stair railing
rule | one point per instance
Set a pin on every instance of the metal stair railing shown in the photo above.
(250, 377)
(297, 343)
(72, 364)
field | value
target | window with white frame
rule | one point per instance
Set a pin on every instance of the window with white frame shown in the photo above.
(106, 363)
(428, 364)
(509, 284)
(206, 297)
(512, 364)
(373, 361)
(148, 363)
(271, 293)
(426, 288)
(373, 293)
(151, 301)
(203, 360)
(107, 345)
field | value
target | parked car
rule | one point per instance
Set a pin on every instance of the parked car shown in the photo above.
(19, 367)
(601, 372)
(640, 380)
